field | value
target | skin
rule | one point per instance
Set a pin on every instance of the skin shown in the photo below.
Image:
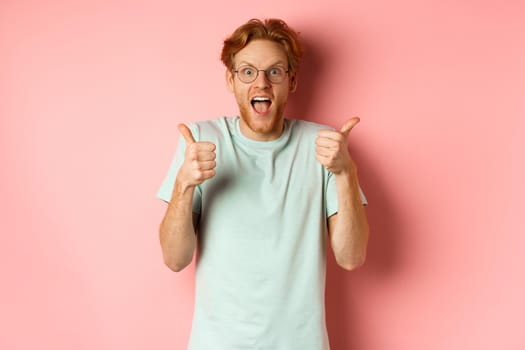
(348, 228)
(261, 54)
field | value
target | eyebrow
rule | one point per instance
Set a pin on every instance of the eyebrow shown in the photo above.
(253, 65)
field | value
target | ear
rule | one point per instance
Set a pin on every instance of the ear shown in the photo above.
(293, 82)
(229, 79)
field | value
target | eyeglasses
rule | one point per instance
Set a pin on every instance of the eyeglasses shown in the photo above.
(248, 74)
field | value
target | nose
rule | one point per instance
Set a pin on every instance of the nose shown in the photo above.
(262, 80)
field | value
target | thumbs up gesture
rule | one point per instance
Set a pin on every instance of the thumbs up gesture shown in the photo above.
(199, 159)
(332, 148)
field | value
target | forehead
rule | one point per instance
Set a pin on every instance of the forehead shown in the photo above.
(261, 53)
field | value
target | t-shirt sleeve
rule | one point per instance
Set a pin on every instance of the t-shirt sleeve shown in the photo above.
(331, 195)
(165, 191)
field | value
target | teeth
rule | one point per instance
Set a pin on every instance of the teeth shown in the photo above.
(260, 99)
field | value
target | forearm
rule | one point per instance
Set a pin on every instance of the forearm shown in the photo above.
(349, 227)
(177, 233)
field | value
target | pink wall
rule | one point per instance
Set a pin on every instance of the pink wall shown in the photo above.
(90, 96)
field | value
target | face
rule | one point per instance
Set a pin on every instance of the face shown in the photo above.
(261, 102)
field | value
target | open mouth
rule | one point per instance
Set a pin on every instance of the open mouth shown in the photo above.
(261, 104)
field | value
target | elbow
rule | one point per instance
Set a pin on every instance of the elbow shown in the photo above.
(353, 258)
(175, 257)
(176, 266)
(352, 263)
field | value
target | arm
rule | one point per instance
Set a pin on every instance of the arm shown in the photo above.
(178, 227)
(348, 228)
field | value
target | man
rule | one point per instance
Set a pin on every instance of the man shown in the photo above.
(260, 196)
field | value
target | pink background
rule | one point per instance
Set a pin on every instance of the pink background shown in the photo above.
(90, 96)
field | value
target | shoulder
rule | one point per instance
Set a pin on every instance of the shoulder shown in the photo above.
(306, 128)
(212, 129)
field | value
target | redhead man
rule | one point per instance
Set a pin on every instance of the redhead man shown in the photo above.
(259, 197)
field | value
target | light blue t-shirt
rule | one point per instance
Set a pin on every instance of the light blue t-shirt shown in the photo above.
(262, 237)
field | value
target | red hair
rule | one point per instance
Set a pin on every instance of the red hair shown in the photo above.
(274, 30)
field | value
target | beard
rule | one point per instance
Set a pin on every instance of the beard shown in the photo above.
(270, 125)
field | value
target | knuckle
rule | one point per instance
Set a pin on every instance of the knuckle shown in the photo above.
(192, 153)
(197, 174)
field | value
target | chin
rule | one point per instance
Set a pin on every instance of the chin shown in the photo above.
(262, 125)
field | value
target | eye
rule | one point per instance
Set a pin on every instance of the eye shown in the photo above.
(247, 71)
(276, 71)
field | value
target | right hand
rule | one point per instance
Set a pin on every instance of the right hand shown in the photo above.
(199, 160)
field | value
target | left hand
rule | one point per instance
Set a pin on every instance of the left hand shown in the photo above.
(332, 148)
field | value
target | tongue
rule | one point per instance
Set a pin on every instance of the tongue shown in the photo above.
(261, 107)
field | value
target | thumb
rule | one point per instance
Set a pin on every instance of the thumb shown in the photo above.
(348, 125)
(186, 133)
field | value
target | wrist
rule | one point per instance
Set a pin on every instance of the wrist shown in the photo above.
(349, 171)
(182, 187)
(348, 177)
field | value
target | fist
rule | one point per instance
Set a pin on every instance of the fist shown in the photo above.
(332, 148)
(199, 159)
